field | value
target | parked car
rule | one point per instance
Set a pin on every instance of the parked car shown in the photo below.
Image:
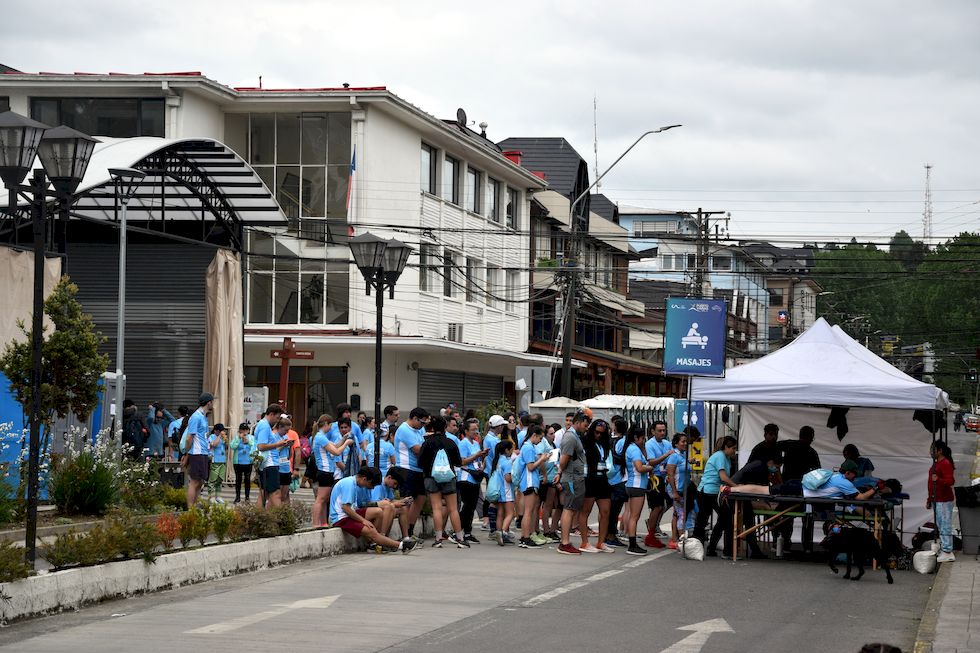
(971, 423)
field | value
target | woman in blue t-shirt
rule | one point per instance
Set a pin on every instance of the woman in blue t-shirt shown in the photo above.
(636, 470)
(717, 473)
(505, 504)
(677, 478)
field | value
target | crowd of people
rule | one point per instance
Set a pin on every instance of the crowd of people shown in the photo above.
(521, 481)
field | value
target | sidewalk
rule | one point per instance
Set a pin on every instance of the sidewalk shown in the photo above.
(951, 622)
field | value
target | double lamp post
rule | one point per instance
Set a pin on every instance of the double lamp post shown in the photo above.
(381, 262)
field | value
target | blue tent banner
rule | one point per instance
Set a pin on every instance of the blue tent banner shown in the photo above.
(694, 342)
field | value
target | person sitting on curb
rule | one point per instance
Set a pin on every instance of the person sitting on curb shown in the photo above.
(347, 514)
(383, 496)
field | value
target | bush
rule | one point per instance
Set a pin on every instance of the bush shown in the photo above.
(12, 565)
(253, 522)
(9, 510)
(303, 513)
(168, 528)
(173, 497)
(134, 535)
(139, 485)
(202, 527)
(64, 551)
(187, 522)
(222, 518)
(83, 485)
(285, 520)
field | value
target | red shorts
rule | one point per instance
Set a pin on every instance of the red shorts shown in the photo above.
(352, 526)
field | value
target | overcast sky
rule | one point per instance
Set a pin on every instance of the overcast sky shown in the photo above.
(805, 120)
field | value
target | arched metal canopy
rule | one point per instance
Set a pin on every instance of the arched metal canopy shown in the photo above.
(187, 180)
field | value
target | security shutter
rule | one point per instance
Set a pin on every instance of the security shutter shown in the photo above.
(439, 387)
(165, 314)
(481, 389)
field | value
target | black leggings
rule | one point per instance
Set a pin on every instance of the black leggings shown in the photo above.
(469, 494)
(242, 474)
(708, 503)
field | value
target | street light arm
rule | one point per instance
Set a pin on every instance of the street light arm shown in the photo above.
(571, 209)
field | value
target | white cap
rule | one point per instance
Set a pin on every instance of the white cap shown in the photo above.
(497, 420)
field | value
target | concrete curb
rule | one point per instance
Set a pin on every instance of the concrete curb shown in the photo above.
(18, 535)
(73, 588)
(926, 634)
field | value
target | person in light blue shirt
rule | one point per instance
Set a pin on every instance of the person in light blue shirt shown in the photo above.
(195, 442)
(368, 428)
(496, 425)
(158, 418)
(175, 432)
(452, 430)
(327, 450)
(658, 450)
(470, 476)
(218, 443)
(717, 473)
(241, 448)
(344, 410)
(409, 438)
(502, 466)
(533, 461)
(350, 513)
(677, 479)
(268, 443)
(550, 513)
(636, 471)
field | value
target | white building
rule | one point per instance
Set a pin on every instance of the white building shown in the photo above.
(458, 323)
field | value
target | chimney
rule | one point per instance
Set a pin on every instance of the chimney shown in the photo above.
(539, 175)
(514, 156)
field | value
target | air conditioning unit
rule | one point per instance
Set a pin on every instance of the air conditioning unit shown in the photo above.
(454, 332)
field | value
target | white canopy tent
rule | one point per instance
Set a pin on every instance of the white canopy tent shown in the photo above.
(798, 385)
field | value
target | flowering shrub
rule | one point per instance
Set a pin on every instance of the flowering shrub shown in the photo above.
(83, 485)
(187, 522)
(168, 529)
(222, 518)
(139, 484)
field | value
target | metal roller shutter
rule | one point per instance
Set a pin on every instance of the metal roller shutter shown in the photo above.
(481, 389)
(165, 314)
(439, 387)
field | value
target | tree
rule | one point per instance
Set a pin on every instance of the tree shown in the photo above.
(72, 365)
(910, 253)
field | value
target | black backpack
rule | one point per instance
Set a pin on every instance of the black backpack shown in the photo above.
(132, 435)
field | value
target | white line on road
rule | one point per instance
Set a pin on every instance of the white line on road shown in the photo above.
(564, 589)
(240, 622)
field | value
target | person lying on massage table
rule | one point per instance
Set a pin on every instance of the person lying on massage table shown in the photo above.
(840, 485)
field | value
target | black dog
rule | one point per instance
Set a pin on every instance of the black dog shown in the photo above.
(858, 544)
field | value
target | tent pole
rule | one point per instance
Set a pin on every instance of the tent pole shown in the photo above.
(687, 455)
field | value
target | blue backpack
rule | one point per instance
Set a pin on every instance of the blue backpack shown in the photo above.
(442, 471)
(816, 479)
(495, 486)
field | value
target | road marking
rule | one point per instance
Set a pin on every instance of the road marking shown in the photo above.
(320, 603)
(564, 589)
(646, 559)
(694, 642)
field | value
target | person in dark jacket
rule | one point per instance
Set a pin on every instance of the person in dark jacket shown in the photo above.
(134, 430)
(441, 490)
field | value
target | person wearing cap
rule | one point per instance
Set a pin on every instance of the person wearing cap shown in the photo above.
(195, 443)
(241, 448)
(218, 443)
(496, 425)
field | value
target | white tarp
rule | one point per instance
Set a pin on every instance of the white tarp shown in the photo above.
(822, 366)
(896, 445)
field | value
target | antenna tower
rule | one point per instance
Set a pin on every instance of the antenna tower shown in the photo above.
(927, 209)
(595, 136)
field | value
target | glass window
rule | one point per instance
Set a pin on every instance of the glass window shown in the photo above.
(262, 139)
(314, 191)
(427, 261)
(450, 180)
(692, 262)
(236, 133)
(493, 199)
(314, 139)
(288, 193)
(775, 296)
(114, 117)
(428, 169)
(260, 298)
(512, 208)
(286, 297)
(287, 138)
(472, 191)
(339, 137)
(449, 274)
(513, 280)
(311, 298)
(493, 285)
(721, 262)
(45, 110)
(338, 293)
(152, 118)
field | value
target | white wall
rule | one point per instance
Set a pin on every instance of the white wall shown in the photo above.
(199, 118)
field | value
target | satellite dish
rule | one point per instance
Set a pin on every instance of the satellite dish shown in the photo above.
(461, 117)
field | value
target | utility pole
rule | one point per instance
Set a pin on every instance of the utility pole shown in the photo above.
(927, 209)
(701, 258)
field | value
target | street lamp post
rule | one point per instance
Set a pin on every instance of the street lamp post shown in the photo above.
(127, 180)
(568, 336)
(65, 155)
(381, 262)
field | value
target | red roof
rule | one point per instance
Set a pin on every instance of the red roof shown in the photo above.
(197, 73)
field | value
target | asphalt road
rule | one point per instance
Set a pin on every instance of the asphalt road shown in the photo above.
(491, 598)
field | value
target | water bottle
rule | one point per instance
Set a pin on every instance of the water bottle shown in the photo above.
(779, 547)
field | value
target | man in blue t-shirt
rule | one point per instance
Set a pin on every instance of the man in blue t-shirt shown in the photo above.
(350, 513)
(195, 443)
(658, 450)
(408, 443)
(268, 443)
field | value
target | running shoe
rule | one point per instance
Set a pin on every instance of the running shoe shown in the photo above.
(406, 545)
(635, 550)
(649, 540)
(508, 539)
(569, 550)
(470, 538)
(612, 543)
(484, 527)
(499, 536)
(553, 536)
(672, 544)
(588, 548)
(606, 549)
(655, 543)
(946, 556)
(540, 540)
(526, 543)
(460, 543)
(438, 543)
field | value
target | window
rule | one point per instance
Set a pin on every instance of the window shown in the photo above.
(472, 190)
(775, 333)
(775, 296)
(4, 103)
(643, 228)
(721, 262)
(493, 285)
(512, 208)
(450, 180)
(513, 280)
(428, 255)
(284, 288)
(428, 167)
(113, 117)
(472, 284)
(450, 274)
(493, 199)
(304, 159)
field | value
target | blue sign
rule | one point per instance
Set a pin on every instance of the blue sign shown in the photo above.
(680, 415)
(694, 342)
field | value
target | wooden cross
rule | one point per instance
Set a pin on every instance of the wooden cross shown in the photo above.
(288, 352)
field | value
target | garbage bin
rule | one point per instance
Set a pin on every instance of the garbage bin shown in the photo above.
(968, 506)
